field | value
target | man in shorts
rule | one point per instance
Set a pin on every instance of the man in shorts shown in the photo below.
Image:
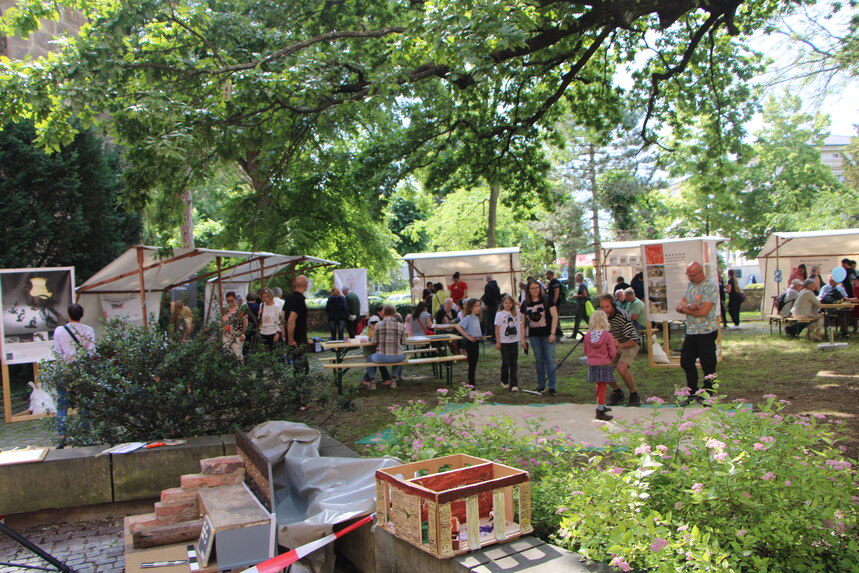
(628, 345)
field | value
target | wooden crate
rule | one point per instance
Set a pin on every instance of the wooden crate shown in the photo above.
(452, 505)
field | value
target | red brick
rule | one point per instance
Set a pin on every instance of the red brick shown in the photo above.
(178, 495)
(196, 481)
(138, 522)
(177, 511)
(221, 465)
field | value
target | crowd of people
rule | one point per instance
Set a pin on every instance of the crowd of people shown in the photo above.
(806, 293)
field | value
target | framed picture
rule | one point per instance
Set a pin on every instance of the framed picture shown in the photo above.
(34, 302)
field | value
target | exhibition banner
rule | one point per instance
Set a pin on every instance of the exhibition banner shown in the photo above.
(125, 307)
(665, 278)
(34, 302)
(356, 280)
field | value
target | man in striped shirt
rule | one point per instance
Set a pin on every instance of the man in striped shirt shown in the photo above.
(628, 345)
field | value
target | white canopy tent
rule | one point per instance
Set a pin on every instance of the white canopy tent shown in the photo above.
(785, 251)
(131, 286)
(257, 268)
(503, 264)
(623, 258)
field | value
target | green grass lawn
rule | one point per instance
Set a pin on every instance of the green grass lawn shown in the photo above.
(754, 363)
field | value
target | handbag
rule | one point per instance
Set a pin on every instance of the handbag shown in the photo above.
(589, 307)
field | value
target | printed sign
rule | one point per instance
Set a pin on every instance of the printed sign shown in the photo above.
(35, 302)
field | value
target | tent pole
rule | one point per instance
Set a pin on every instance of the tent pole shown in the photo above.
(261, 274)
(220, 286)
(142, 287)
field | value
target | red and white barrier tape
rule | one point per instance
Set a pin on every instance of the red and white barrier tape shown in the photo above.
(284, 560)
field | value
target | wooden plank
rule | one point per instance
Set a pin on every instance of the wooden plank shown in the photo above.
(231, 507)
(167, 534)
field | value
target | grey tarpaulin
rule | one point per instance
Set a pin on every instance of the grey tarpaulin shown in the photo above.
(313, 493)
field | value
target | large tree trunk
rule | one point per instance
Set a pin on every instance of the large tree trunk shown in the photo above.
(188, 219)
(494, 192)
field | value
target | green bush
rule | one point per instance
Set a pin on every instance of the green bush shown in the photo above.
(143, 385)
(719, 489)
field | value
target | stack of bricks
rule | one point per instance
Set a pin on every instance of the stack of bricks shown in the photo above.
(179, 504)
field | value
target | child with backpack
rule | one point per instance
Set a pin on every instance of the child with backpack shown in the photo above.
(600, 350)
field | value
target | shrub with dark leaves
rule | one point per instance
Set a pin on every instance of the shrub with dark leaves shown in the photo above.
(143, 385)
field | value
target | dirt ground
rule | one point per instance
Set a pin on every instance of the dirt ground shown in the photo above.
(754, 363)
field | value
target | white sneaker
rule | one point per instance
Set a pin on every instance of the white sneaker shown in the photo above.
(514, 389)
(505, 386)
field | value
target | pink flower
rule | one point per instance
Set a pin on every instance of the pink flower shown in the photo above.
(620, 562)
(838, 465)
(562, 510)
(788, 483)
(685, 391)
(746, 495)
(698, 487)
(678, 505)
(658, 544)
(662, 448)
(715, 444)
(615, 471)
(820, 416)
(767, 439)
(720, 457)
(685, 426)
(770, 396)
(442, 391)
(655, 400)
(741, 532)
(642, 449)
(768, 476)
(759, 446)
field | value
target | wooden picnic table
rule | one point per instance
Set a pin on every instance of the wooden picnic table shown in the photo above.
(342, 347)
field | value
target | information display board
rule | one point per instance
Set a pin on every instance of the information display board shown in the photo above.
(34, 304)
(665, 278)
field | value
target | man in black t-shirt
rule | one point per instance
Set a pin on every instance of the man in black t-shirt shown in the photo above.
(554, 295)
(295, 313)
(491, 299)
(582, 295)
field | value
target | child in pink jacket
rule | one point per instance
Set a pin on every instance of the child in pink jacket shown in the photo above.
(600, 349)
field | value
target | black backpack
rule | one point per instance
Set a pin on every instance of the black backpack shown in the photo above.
(781, 300)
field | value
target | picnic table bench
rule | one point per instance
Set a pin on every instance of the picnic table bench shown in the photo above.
(446, 361)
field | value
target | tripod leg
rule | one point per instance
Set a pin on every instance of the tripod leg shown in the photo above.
(35, 549)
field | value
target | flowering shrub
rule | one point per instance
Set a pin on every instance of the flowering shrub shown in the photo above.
(424, 431)
(719, 489)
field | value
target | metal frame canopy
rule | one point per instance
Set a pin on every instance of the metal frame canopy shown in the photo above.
(784, 251)
(503, 264)
(146, 272)
(631, 250)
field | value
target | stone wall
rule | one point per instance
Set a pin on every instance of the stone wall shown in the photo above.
(41, 42)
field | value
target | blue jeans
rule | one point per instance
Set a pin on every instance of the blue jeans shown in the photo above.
(544, 357)
(387, 359)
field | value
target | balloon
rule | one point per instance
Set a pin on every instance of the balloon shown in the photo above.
(839, 274)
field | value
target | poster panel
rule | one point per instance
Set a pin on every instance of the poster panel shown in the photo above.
(356, 280)
(665, 274)
(34, 304)
(126, 307)
(824, 267)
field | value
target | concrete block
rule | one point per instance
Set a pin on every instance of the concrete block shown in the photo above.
(229, 441)
(66, 478)
(145, 473)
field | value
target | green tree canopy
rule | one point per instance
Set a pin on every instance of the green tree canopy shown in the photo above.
(61, 209)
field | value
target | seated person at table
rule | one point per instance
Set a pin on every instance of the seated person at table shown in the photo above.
(620, 298)
(389, 337)
(421, 322)
(807, 306)
(446, 314)
(635, 309)
(790, 298)
(832, 292)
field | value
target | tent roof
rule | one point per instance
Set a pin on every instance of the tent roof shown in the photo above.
(615, 245)
(250, 270)
(162, 273)
(804, 243)
(481, 261)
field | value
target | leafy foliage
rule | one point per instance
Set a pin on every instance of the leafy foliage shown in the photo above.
(61, 209)
(699, 493)
(145, 385)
